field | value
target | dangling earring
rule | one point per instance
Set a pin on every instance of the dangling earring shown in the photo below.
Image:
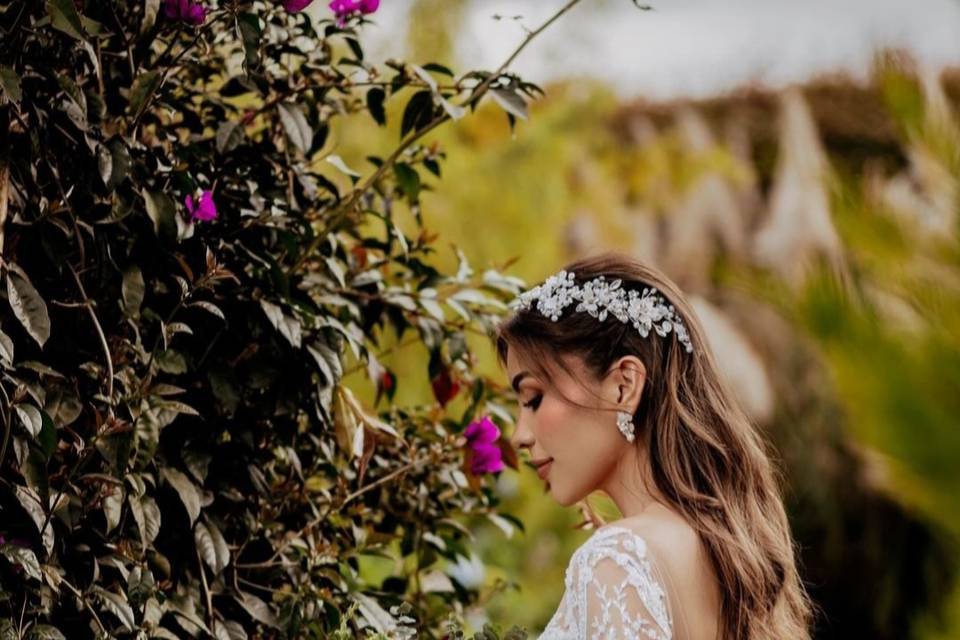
(625, 424)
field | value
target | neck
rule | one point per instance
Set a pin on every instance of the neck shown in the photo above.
(630, 484)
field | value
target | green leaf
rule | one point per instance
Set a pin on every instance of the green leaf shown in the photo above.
(10, 83)
(209, 307)
(27, 305)
(146, 514)
(172, 362)
(23, 557)
(229, 136)
(248, 30)
(113, 507)
(162, 210)
(188, 492)
(132, 291)
(408, 179)
(45, 632)
(113, 160)
(6, 350)
(31, 503)
(29, 417)
(117, 605)
(64, 17)
(288, 327)
(295, 124)
(212, 546)
(145, 85)
(257, 609)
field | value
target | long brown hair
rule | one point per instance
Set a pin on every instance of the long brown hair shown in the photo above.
(706, 457)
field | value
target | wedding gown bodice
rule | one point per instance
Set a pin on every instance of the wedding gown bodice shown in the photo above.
(611, 592)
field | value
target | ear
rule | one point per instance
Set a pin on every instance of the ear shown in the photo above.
(625, 383)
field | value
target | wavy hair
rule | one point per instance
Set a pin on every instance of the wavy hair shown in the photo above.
(707, 459)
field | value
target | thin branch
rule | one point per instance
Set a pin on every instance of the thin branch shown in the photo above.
(206, 588)
(103, 337)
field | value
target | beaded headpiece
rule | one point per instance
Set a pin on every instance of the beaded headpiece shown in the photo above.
(600, 298)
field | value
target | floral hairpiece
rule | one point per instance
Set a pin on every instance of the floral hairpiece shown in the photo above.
(599, 298)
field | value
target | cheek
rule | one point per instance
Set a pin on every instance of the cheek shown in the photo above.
(568, 433)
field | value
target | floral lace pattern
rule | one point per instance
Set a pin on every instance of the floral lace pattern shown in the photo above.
(611, 592)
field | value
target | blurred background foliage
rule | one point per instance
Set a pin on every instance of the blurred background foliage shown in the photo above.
(815, 229)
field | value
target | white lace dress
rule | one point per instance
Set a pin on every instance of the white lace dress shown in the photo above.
(611, 592)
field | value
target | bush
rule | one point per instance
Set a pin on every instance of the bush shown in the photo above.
(185, 291)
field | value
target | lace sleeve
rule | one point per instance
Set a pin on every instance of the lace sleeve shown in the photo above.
(616, 594)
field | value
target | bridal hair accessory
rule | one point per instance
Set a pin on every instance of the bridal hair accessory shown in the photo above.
(625, 424)
(600, 298)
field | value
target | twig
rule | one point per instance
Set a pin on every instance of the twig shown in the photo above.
(7, 427)
(206, 588)
(85, 602)
(103, 337)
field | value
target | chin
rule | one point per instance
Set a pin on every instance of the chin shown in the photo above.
(564, 498)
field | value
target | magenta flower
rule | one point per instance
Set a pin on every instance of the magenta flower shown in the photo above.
(204, 210)
(186, 10)
(294, 6)
(343, 8)
(482, 436)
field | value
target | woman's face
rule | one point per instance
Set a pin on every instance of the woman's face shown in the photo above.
(584, 444)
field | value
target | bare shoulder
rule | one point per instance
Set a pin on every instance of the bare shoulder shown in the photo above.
(683, 563)
(671, 540)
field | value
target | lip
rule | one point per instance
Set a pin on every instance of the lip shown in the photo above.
(543, 467)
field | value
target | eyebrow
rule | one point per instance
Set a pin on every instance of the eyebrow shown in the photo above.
(517, 378)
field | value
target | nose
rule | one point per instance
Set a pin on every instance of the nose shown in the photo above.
(522, 435)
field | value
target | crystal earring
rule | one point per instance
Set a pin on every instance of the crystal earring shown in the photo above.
(625, 424)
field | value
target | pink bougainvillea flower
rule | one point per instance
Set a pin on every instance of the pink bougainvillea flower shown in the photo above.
(204, 209)
(343, 8)
(482, 436)
(294, 6)
(186, 10)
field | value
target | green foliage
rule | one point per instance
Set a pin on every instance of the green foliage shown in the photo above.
(180, 455)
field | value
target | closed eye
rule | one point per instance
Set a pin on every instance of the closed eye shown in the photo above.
(534, 402)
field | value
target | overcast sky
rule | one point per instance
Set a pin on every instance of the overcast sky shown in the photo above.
(692, 47)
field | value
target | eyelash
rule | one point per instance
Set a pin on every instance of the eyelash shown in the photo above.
(534, 402)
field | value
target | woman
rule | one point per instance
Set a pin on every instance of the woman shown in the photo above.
(620, 393)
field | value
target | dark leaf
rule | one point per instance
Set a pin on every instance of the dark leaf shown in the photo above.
(229, 136)
(64, 16)
(511, 102)
(418, 112)
(10, 83)
(375, 98)
(162, 210)
(143, 89)
(132, 291)
(248, 28)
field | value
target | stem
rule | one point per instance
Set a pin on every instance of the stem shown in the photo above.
(4, 171)
(206, 588)
(341, 212)
(103, 338)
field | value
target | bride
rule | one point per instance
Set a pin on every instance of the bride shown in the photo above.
(620, 393)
